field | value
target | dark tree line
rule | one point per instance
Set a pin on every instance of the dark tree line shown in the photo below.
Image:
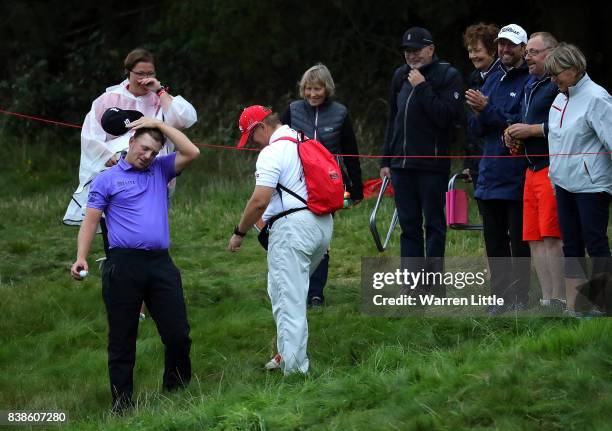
(223, 54)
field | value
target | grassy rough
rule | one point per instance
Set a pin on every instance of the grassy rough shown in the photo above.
(367, 372)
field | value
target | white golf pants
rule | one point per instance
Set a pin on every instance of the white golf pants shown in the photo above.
(297, 244)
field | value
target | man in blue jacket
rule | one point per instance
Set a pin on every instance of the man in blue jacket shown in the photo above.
(499, 190)
(540, 221)
(424, 105)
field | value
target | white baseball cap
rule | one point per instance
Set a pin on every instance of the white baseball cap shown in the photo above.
(514, 33)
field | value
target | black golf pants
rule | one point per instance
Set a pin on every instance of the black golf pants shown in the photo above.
(129, 277)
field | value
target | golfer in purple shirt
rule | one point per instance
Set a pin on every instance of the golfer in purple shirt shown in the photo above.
(133, 195)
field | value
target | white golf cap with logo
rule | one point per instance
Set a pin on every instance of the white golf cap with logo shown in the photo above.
(514, 33)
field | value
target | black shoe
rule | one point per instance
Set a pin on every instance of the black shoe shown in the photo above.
(174, 382)
(315, 301)
(121, 406)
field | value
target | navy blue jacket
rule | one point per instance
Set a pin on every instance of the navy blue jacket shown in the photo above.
(500, 178)
(422, 119)
(473, 143)
(539, 95)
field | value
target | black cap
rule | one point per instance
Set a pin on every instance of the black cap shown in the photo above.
(416, 38)
(115, 120)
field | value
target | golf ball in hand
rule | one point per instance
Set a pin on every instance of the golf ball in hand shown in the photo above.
(83, 273)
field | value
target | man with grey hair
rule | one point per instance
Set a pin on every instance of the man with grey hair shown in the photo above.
(424, 104)
(540, 222)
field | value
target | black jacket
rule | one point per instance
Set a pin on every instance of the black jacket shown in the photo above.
(422, 119)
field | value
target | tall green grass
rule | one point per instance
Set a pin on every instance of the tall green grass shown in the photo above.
(366, 372)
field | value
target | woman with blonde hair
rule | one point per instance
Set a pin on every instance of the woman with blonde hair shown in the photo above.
(580, 129)
(327, 121)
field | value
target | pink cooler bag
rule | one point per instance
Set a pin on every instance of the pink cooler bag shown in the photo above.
(457, 208)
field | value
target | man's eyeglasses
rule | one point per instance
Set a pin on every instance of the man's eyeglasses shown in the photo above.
(535, 52)
(143, 74)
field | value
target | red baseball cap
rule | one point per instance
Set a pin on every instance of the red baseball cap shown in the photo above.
(251, 117)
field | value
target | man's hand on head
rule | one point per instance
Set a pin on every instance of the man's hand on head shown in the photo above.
(145, 122)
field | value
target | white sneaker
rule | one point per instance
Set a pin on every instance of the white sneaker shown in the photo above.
(274, 363)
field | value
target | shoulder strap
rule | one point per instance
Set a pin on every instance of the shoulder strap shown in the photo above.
(279, 186)
(301, 138)
(283, 214)
(286, 138)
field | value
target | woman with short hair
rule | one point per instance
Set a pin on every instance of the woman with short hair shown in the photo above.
(479, 41)
(580, 130)
(327, 121)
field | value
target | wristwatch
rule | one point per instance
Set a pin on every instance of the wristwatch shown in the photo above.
(237, 232)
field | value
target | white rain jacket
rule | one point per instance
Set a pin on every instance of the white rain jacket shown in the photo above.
(97, 146)
(581, 122)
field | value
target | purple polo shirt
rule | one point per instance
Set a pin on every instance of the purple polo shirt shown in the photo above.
(135, 203)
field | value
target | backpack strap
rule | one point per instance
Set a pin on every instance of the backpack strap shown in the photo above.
(283, 214)
(289, 138)
(279, 186)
